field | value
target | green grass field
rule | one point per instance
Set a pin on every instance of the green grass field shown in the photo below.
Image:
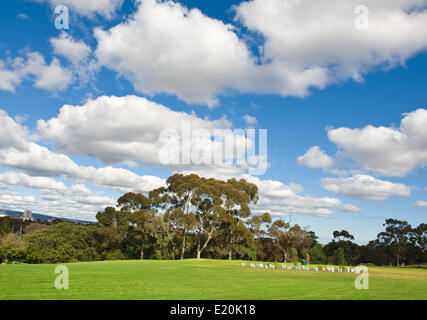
(203, 279)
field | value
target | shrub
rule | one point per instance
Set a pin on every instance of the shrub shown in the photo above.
(12, 247)
(317, 255)
(63, 242)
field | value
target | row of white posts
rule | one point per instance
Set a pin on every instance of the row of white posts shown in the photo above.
(298, 268)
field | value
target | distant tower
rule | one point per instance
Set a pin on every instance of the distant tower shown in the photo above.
(28, 215)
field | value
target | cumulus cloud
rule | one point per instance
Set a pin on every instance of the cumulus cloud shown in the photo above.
(89, 8)
(81, 61)
(9, 79)
(315, 43)
(164, 47)
(116, 129)
(12, 134)
(250, 120)
(52, 77)
(131, 128)
(280, 199)
(386, 150)
(55, 190)
(77, 201)
(421, 204)
(70, 205)
(14, 178)
(39, 160)
(350, 208)
(365, 187)
(136, 129)
(52, 189)
(20, 151)
(75, 51)
(315, 158)
(9, 200)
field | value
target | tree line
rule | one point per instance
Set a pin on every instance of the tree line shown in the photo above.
(195, 217)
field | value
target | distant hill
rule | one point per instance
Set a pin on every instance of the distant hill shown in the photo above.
(42, 216)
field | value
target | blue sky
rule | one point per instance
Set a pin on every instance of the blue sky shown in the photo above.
(312, 83)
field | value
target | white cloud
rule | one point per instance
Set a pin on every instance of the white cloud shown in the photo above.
(9, 79)
(365, 187)
(295, 187)
(81, 189)
(50, 77)
(33, 66)
(75, 51)
(130, 130)
(280, 199)
(77, 201)
(54, 190)
(119, 179)
(22, 16)
(39, 160)
(78, 196)
(164, 47)
(117, 129)
(10, 199)
(18, 151)
(12, 134)
(421, 204)
(82, 63)
(387, 150)
(315, 43)
(14, 178)
(250, 120)
(67, 205)
(88, 8)
(350, 208)
(315, 158)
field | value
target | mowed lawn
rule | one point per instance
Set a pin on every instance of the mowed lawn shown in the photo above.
(203, 279)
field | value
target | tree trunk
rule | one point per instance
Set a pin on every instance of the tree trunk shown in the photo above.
(198, 250)
(230, 251)
(183, 247)
(173, 252)
(142, 253)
